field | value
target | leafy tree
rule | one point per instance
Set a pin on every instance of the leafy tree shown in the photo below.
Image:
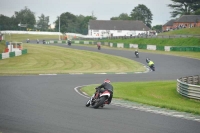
(25, 16)
(83, 23)
(197, 12)
(68, 23)
(74, 24)
(114, 18)
(184, 7)
(5, 22)
(122, 16)
(157, 28)
(142, 13)
(43, 22)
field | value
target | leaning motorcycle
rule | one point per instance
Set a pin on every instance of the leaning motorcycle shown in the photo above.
(99, 99)
(152, 67)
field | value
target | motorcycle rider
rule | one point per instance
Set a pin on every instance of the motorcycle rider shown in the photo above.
(150, 63)
(107, 87)
(98, 45)
(147, 60)
(136, 52)
(38, 41)
(69, 42)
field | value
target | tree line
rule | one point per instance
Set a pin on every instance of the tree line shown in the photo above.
(25, 19)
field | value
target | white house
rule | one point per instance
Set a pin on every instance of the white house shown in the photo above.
(111, 28)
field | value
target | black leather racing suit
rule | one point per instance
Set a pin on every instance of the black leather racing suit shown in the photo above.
(109, 87)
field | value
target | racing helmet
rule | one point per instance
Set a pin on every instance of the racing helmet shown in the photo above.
(106, 81)
(147, 60)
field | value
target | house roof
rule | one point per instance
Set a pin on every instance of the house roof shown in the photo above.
(117, 25)
(170, 23)
(189, 18)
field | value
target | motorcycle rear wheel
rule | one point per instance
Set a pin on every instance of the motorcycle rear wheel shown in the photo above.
(101, 102)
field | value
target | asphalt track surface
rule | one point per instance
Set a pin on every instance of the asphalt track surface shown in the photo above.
(49, 103)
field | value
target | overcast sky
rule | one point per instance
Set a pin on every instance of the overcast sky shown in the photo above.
(102, 9)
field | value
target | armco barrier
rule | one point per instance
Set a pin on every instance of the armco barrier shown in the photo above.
(134, 46)
(189, 86)
(81, 42)
(189, 49)
(151, 47)
(142, 46)
(137, 46)
(196, 49)
(174, 48)
(162, 48)
(114, 45)
(120, 45)
(126, 45)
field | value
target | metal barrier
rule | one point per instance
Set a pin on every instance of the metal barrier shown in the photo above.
(189, 86)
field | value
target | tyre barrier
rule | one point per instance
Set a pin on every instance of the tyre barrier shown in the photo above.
(189, 86)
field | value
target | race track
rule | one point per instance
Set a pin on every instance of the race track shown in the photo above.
(50, 104)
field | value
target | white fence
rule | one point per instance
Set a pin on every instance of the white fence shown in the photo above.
(44, 33)
(30, 32)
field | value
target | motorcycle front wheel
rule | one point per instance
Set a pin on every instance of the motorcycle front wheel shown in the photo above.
(87, 103)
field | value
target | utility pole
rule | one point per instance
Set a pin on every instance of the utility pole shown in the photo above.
(59, 27)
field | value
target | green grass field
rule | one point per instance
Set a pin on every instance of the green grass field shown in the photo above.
(52, 59)
(23, 37)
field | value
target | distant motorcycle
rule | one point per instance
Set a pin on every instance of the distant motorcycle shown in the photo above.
(44, 42)
(99, 47)
(137, 54)
(150, 64)
(69, 43)
(27, 41)
(98, 99)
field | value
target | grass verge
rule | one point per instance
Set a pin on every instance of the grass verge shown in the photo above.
(156, 93)
(52, 59)
(23, 37)
(184, 31)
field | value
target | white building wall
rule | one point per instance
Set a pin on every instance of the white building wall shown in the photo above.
(109, 33)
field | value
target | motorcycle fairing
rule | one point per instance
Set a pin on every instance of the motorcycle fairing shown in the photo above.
(105, 93)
